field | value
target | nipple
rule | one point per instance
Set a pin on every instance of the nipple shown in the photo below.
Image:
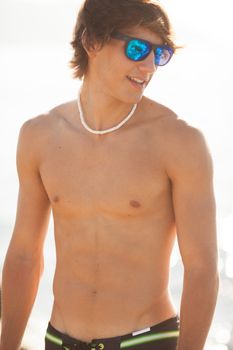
(135, 204)
(94, 292)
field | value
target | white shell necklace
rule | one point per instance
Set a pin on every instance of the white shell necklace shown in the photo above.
(101, 132)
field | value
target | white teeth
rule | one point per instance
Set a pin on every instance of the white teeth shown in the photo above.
(137, 80)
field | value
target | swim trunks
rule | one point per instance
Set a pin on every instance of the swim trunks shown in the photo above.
(162, 336)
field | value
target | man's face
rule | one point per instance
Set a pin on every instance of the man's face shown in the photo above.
(117, 75)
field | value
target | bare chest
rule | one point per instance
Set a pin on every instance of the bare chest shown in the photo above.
(116, 175)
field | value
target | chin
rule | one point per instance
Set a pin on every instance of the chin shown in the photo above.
(135, 98)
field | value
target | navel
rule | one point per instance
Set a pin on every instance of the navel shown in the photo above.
(56, 199)
(135, 204)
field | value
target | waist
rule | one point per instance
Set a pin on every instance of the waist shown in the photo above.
(110, 315)
(163, 331)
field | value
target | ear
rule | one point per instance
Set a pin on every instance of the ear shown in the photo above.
(90, 48)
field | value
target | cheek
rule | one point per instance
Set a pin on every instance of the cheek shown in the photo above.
(115, 60)
(112, 67)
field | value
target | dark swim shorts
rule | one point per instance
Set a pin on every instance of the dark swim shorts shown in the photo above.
(162, 336)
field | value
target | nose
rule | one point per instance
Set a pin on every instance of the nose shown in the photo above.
(148, 64)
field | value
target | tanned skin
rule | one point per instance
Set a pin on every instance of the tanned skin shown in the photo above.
(118, 202)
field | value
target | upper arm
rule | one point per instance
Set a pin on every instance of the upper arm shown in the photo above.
(33, 208)
(191, 174)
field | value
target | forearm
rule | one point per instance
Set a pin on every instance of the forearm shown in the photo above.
(197, 307)
(19, 287)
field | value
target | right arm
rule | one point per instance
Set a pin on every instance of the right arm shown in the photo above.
(24, 259)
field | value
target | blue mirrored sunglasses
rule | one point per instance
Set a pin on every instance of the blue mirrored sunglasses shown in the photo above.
(138, 49)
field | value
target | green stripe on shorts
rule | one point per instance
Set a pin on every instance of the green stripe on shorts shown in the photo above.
(148, 338)
(53, 339)
(130, 342)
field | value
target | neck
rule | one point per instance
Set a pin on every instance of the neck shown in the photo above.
(101, 110)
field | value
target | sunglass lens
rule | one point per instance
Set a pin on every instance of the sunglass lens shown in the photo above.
(136, 50)
(162, 55)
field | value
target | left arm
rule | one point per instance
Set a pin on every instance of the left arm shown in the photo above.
(191, 175)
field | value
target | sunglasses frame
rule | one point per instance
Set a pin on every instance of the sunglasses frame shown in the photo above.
(127, 39)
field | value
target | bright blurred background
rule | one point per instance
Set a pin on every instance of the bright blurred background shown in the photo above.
(197, 84)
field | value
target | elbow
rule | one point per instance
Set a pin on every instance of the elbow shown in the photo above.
(31, 263)
(207, 276)
(202, 266)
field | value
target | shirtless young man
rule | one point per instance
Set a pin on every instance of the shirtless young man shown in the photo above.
(118, 199)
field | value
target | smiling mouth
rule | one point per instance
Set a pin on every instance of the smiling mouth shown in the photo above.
(139, 82)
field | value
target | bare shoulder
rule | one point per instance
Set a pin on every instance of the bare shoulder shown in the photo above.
(35, 133)
(166, 120)
(155, 114)
(49, 119)
(38, 129)
(187, 151)
(182, 145)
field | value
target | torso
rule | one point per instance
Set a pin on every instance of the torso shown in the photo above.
(114, 222)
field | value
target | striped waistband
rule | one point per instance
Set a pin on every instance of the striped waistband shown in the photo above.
(164, 330)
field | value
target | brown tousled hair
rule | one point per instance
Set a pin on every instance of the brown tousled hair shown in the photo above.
(98, 19)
